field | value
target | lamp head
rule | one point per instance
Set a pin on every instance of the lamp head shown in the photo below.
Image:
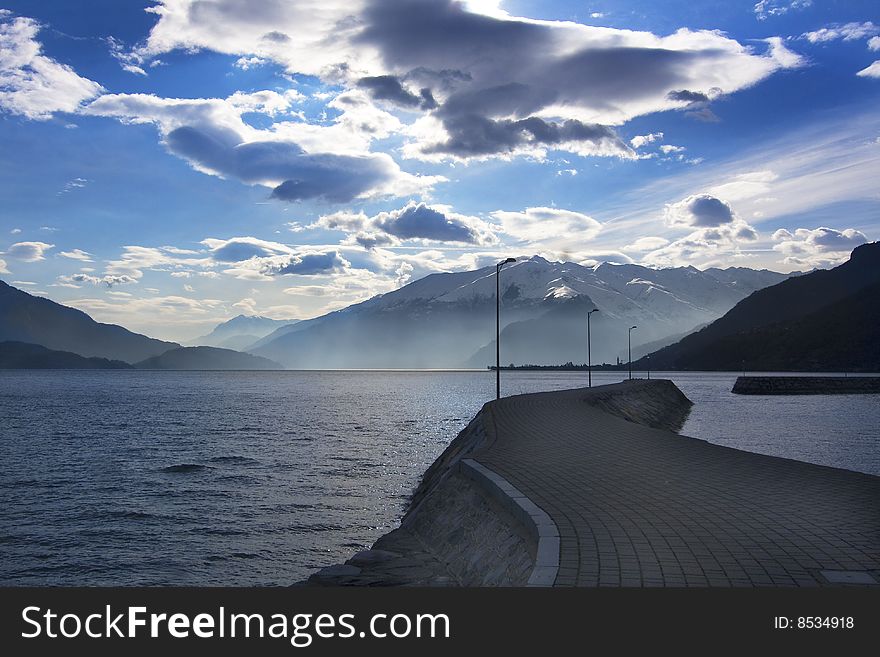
(594, 310)
(633, 327)
(509, 260)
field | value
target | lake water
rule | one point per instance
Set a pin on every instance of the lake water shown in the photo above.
(259, 478)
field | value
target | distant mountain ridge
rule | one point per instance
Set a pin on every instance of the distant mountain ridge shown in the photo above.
(24, 356)
(35, 320)
(447, 320)
(240, 332)
(206, 358)
(826, 320)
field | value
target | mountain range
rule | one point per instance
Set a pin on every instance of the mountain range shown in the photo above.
(827, 320)
(444, 320)
(240, 332)
(448, 319)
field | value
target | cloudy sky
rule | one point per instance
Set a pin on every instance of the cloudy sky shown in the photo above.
(167, 164)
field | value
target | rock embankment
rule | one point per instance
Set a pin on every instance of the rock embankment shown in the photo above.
(807, 385)
(458, 532)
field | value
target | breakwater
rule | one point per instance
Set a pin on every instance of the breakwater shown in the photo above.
(807, 385)
(466, 525)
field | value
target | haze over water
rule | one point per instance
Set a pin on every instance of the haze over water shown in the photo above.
(259, 478)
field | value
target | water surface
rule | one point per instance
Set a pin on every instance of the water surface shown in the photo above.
(259, 478)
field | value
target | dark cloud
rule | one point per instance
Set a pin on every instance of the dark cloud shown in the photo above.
(390, 88)
(337, 178)
(688, 96)
(701, 210)
(370, 240)
(710, 211)
(474, 135)
(446, 80)
(421, 222)
(510, 79)
(313, 263)
(747, 233)
(276, 37)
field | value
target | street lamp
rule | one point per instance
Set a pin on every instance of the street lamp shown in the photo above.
(498, 325)
(589, 359)
(630, 349)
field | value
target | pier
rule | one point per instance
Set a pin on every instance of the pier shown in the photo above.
(629, 505)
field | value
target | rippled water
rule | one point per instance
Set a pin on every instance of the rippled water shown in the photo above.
(258, 478)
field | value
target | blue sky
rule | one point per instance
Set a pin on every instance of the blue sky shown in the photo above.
(167, 165)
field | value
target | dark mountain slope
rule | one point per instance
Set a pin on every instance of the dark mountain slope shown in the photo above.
(35, 320)
(206, 358)
(23, 356)
(822, 320)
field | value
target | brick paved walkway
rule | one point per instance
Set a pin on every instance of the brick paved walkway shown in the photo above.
(645, 507)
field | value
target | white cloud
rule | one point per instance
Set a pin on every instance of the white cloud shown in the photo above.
(3, 269)
(669, 148)
(766, 8)
(109, 279)
(129, 61)
(707, 246)
(549, 228)
(157, 315)
(247, 63)
(135, 259)
(77, 254)
(70, 185)
(872, 71)
(640, 140)
(644, 244)
(15, 231)
(28, 251)
(874, 43)
(34, 85)
(247, 304)
(819, 247)
(846, 32)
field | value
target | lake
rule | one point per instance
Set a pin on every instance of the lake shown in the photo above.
(260, 478)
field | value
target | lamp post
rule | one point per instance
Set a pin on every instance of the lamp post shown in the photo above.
(589, 359)
(630, 350)
(498, 325)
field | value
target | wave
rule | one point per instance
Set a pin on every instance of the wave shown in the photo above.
(186, 467)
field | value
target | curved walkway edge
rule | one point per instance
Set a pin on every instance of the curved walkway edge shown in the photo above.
(533, 517)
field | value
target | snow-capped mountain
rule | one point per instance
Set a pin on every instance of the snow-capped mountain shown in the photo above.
(448, 320)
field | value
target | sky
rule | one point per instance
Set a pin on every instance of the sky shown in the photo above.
(169, 164)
